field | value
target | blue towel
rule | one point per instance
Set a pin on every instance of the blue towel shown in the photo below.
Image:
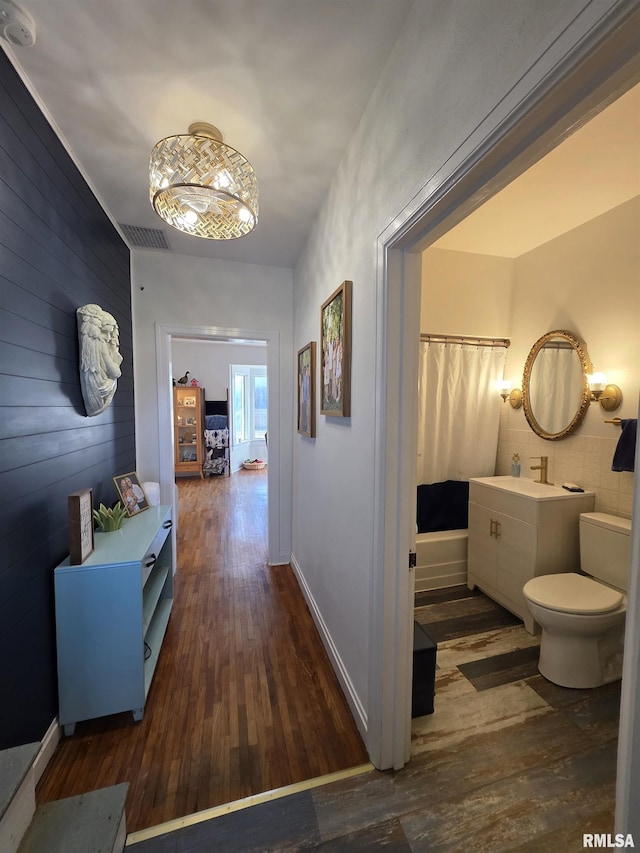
(625, 456)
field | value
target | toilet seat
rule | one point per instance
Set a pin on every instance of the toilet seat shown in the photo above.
(572, 593)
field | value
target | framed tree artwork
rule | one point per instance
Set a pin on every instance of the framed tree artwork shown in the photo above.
(307, 390)
(335, 353)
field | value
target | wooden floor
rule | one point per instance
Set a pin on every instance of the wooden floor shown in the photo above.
(243, 700)
(507, 762)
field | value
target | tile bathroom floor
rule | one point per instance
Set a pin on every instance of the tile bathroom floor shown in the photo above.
(507, 761)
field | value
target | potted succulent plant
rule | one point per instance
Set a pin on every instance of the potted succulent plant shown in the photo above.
(109, 518)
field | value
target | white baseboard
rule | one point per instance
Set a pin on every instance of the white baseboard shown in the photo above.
(47, 747)
(353, 700)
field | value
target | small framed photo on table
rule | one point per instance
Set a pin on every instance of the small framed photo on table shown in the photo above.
(131, 493)
(81, 540)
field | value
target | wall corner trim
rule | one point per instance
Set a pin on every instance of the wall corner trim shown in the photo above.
(48, 744)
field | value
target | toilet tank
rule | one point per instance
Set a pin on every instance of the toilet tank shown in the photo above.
(605, 542)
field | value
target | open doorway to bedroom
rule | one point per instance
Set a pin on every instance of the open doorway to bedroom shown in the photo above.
(228, 492)
(233, 376)
(269, 347)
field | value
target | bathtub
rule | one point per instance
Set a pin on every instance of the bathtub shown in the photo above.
(441, 559)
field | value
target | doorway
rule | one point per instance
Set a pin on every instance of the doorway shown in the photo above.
(233, 375)
(592, 79)
(165, 334)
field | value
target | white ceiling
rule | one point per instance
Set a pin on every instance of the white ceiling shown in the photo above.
(594, 170)
(286, 81)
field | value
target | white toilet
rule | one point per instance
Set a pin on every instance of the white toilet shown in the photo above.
(582, 619)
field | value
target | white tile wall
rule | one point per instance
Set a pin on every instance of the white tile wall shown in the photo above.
(585, 460)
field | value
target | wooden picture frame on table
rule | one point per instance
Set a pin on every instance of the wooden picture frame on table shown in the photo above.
(81, 536)
(307, 390)
(131, 493)
(335, 353)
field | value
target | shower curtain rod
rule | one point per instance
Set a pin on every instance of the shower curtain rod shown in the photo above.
(464, 339)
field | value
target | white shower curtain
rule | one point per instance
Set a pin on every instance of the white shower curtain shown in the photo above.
(459, 410)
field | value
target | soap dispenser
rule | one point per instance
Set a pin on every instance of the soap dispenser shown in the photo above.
(515, 465)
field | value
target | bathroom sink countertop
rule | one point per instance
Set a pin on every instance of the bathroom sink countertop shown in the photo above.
(527, 487)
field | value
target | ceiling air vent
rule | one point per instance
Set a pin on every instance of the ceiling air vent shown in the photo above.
(145, 238)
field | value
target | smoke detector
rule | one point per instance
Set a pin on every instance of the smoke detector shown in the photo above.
(16, 25)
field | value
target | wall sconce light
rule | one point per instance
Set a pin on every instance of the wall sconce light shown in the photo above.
(513, 395)
(609, 396)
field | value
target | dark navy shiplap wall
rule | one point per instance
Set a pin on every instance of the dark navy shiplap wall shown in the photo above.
(58, 251)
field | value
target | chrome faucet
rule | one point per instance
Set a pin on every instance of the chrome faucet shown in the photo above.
(542, 467)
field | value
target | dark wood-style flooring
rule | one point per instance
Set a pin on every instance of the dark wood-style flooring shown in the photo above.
(244, 699)
(507, 761)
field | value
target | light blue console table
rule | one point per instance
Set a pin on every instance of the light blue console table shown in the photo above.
(111, 616)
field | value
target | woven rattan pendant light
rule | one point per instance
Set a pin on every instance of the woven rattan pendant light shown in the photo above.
(202, 186)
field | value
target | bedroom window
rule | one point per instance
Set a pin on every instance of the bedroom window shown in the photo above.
(249, 400)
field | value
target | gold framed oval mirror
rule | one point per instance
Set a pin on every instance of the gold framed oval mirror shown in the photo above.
(555, 390)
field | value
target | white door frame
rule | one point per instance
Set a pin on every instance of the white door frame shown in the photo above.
(164, 333)
(580, 76)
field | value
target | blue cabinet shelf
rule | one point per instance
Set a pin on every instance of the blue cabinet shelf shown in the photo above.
(111, 616)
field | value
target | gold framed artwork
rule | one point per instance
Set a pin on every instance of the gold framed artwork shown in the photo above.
(335, 353)
(131, 493)
(307, 390)
(81, 539)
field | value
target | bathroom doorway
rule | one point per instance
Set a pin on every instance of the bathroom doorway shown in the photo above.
(550, 118)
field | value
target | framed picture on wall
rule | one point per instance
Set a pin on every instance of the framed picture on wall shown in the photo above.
(307, 390)
(131, 493)
(335, 353)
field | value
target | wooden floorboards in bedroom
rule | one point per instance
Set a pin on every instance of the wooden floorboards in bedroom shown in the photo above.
(244, 699)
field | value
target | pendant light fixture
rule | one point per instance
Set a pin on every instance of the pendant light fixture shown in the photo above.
(202, 186)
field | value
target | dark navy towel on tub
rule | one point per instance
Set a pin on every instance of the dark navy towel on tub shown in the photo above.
(443, 506)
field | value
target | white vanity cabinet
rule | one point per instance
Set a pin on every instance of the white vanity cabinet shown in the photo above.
(519, 529)
(111, 616)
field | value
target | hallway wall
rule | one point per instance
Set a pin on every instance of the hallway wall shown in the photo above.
(58, 251)
(456, 71)
(208, 362)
